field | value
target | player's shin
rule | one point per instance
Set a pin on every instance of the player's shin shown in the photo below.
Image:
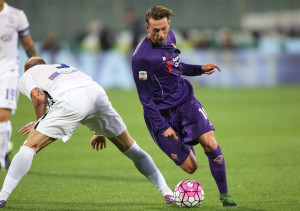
(5, 134)
(147, 167)
(19, 167)
(217, 168)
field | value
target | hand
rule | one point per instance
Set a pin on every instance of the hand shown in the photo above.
(97, 141)
(170, 134)
(27, 128)
(209, 68)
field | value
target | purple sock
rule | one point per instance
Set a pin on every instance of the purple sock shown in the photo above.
(217, 169)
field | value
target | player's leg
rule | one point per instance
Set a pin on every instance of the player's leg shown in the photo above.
(8, 105)
(217, 165)
(190, 165)
(197, 128)
(144, 163)
(10, 147)
(104, 119)
(21, 162)
(5, 134)
(181, 154)
(216, 159)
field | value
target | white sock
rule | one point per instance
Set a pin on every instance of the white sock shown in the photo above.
(19, 167)
(147, 167)
(5, 134)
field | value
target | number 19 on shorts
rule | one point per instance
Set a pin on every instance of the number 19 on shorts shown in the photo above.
(10, 94)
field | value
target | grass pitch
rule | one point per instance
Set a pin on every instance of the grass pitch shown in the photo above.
(257, 129)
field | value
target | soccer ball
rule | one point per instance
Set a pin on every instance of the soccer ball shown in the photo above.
(188, 193)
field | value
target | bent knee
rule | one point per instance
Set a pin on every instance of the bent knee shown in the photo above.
(208, 141)
(33, 146)
(190, 169)
(190, 165)
(212, 146)
(123, 141)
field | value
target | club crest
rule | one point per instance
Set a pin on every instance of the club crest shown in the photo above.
(175, 157)
(219, 159)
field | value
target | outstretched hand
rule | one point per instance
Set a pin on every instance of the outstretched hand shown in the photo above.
(97, 141)
(27, 128)
(209, 68)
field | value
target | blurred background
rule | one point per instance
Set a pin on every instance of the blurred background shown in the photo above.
(253, 103)
(255, 42)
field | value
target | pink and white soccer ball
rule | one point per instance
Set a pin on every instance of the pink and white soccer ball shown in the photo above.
(188, 193)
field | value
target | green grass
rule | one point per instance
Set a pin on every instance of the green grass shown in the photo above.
(257, 129)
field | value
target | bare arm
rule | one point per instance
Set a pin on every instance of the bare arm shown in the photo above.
(29, 46)
(39, 101)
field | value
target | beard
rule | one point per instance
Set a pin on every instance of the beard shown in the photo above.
(160, 40)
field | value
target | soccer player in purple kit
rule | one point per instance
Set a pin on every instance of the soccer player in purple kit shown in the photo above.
(175, 119)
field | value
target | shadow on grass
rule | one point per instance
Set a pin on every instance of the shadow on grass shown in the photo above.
(111, 206)
(90, 177)
(88, 206)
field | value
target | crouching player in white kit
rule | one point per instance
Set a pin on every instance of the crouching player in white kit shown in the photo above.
(73, 98)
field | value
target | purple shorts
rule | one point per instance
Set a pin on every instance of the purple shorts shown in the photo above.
(189, 121)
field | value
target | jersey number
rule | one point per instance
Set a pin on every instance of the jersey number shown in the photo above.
(10, 94)
(63, 66)
(64, 69)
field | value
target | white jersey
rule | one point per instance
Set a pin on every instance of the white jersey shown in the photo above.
(13, 23)
(54, 79)
(77, 99)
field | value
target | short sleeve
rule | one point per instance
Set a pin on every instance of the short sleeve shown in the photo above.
(26, 84)
(23, 21)
(23, 27)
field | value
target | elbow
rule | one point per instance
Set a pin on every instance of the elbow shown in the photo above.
(39, 100)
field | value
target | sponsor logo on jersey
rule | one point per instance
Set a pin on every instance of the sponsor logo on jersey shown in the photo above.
(11, 20)
(175, 157)
(171, 63)
(6, 38)
(53, 76)
(219, 159)
(169, 66)
(143, 75)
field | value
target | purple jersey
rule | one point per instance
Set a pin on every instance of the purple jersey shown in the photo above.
(157, 71)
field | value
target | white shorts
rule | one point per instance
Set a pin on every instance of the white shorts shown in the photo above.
(9, 92)
(89, 106)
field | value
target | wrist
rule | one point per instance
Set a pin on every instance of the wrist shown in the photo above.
(201, 70)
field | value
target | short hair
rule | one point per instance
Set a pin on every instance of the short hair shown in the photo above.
(158, 12)
(32, 61)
